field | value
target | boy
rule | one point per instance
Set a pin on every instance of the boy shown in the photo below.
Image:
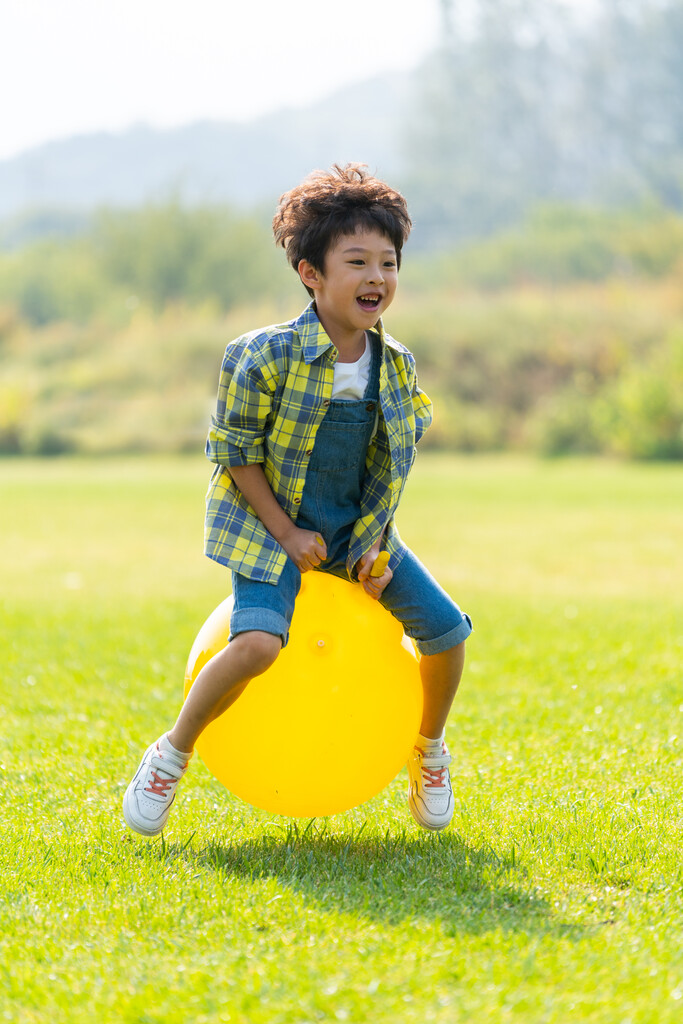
(313, 439)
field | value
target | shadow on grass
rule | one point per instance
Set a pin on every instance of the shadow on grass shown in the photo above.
(391, 878)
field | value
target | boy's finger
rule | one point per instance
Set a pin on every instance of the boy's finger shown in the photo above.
(364, 571)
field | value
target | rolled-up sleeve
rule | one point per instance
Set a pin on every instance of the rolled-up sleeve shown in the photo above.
(245, 390)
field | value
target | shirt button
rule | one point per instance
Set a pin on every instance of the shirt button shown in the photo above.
(370, 407)
(326, 402)
(297, 501)
(309, 452)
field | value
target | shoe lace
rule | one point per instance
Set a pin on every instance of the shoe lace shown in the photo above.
(434, 778)
(160, 786)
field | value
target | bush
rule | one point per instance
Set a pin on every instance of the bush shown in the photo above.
(565, 425)
(561, 244)
(642, 414)
(172, 254)
(52, 281)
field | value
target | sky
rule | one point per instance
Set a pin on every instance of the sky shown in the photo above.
(69, 67)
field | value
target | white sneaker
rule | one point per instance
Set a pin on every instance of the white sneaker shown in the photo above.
(147, 801)
(430, 796)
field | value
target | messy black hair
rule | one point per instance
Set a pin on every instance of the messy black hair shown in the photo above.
(328, 204)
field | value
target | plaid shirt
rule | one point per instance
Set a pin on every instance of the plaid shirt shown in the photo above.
(275, 386)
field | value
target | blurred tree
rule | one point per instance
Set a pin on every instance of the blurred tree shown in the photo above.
(486, 134)
(159, 254)
(526, 102)
(49, 280)
(172, 253)
(633, 100)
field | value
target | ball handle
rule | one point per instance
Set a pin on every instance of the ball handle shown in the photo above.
(380, 564)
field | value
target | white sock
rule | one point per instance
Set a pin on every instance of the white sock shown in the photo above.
(168, 748)
(430, 746)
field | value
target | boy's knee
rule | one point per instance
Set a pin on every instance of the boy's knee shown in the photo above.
(454, 653)
(259, 649)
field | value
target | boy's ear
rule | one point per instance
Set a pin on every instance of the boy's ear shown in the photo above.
(310, 277)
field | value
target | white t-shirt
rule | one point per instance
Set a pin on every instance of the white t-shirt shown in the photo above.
(351, 379)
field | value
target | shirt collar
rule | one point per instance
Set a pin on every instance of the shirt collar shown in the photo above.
(315, 340)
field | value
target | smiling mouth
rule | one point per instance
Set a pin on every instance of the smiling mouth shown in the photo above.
(369, 302)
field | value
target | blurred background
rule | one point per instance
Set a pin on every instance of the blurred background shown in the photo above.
(143, 148)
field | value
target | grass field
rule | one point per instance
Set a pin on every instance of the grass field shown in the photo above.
(555, 896)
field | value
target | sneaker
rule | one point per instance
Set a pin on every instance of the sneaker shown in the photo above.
(430, 796)
(147, 801)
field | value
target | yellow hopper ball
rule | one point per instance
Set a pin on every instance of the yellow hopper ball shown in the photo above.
(331, 723)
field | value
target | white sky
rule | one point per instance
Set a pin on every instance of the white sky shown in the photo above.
(72, 66)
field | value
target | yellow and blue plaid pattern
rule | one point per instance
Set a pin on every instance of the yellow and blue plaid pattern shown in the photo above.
(274, 389)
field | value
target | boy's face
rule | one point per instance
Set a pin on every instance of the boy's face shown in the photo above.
(358, 283)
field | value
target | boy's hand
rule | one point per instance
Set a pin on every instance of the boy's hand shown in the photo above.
(372, 585)
(306, 548)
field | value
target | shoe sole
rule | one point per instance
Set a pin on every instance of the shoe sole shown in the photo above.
(140, 829)
(428, 825)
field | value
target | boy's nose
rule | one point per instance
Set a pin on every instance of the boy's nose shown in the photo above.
(375, 276)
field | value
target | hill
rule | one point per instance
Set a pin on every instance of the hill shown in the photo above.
(243, 164)
(520, 103)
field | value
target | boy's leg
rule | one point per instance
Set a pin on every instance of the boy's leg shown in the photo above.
(439, 629)
(259, 624)
(221, 681)
(148, 799)
(441, 674)
(259, 628)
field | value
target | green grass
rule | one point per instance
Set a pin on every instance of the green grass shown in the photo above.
(556, 895)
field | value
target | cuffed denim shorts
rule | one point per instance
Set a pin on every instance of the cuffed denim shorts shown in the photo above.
(424, 609)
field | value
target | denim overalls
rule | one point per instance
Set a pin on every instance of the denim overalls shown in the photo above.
(330, 505)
